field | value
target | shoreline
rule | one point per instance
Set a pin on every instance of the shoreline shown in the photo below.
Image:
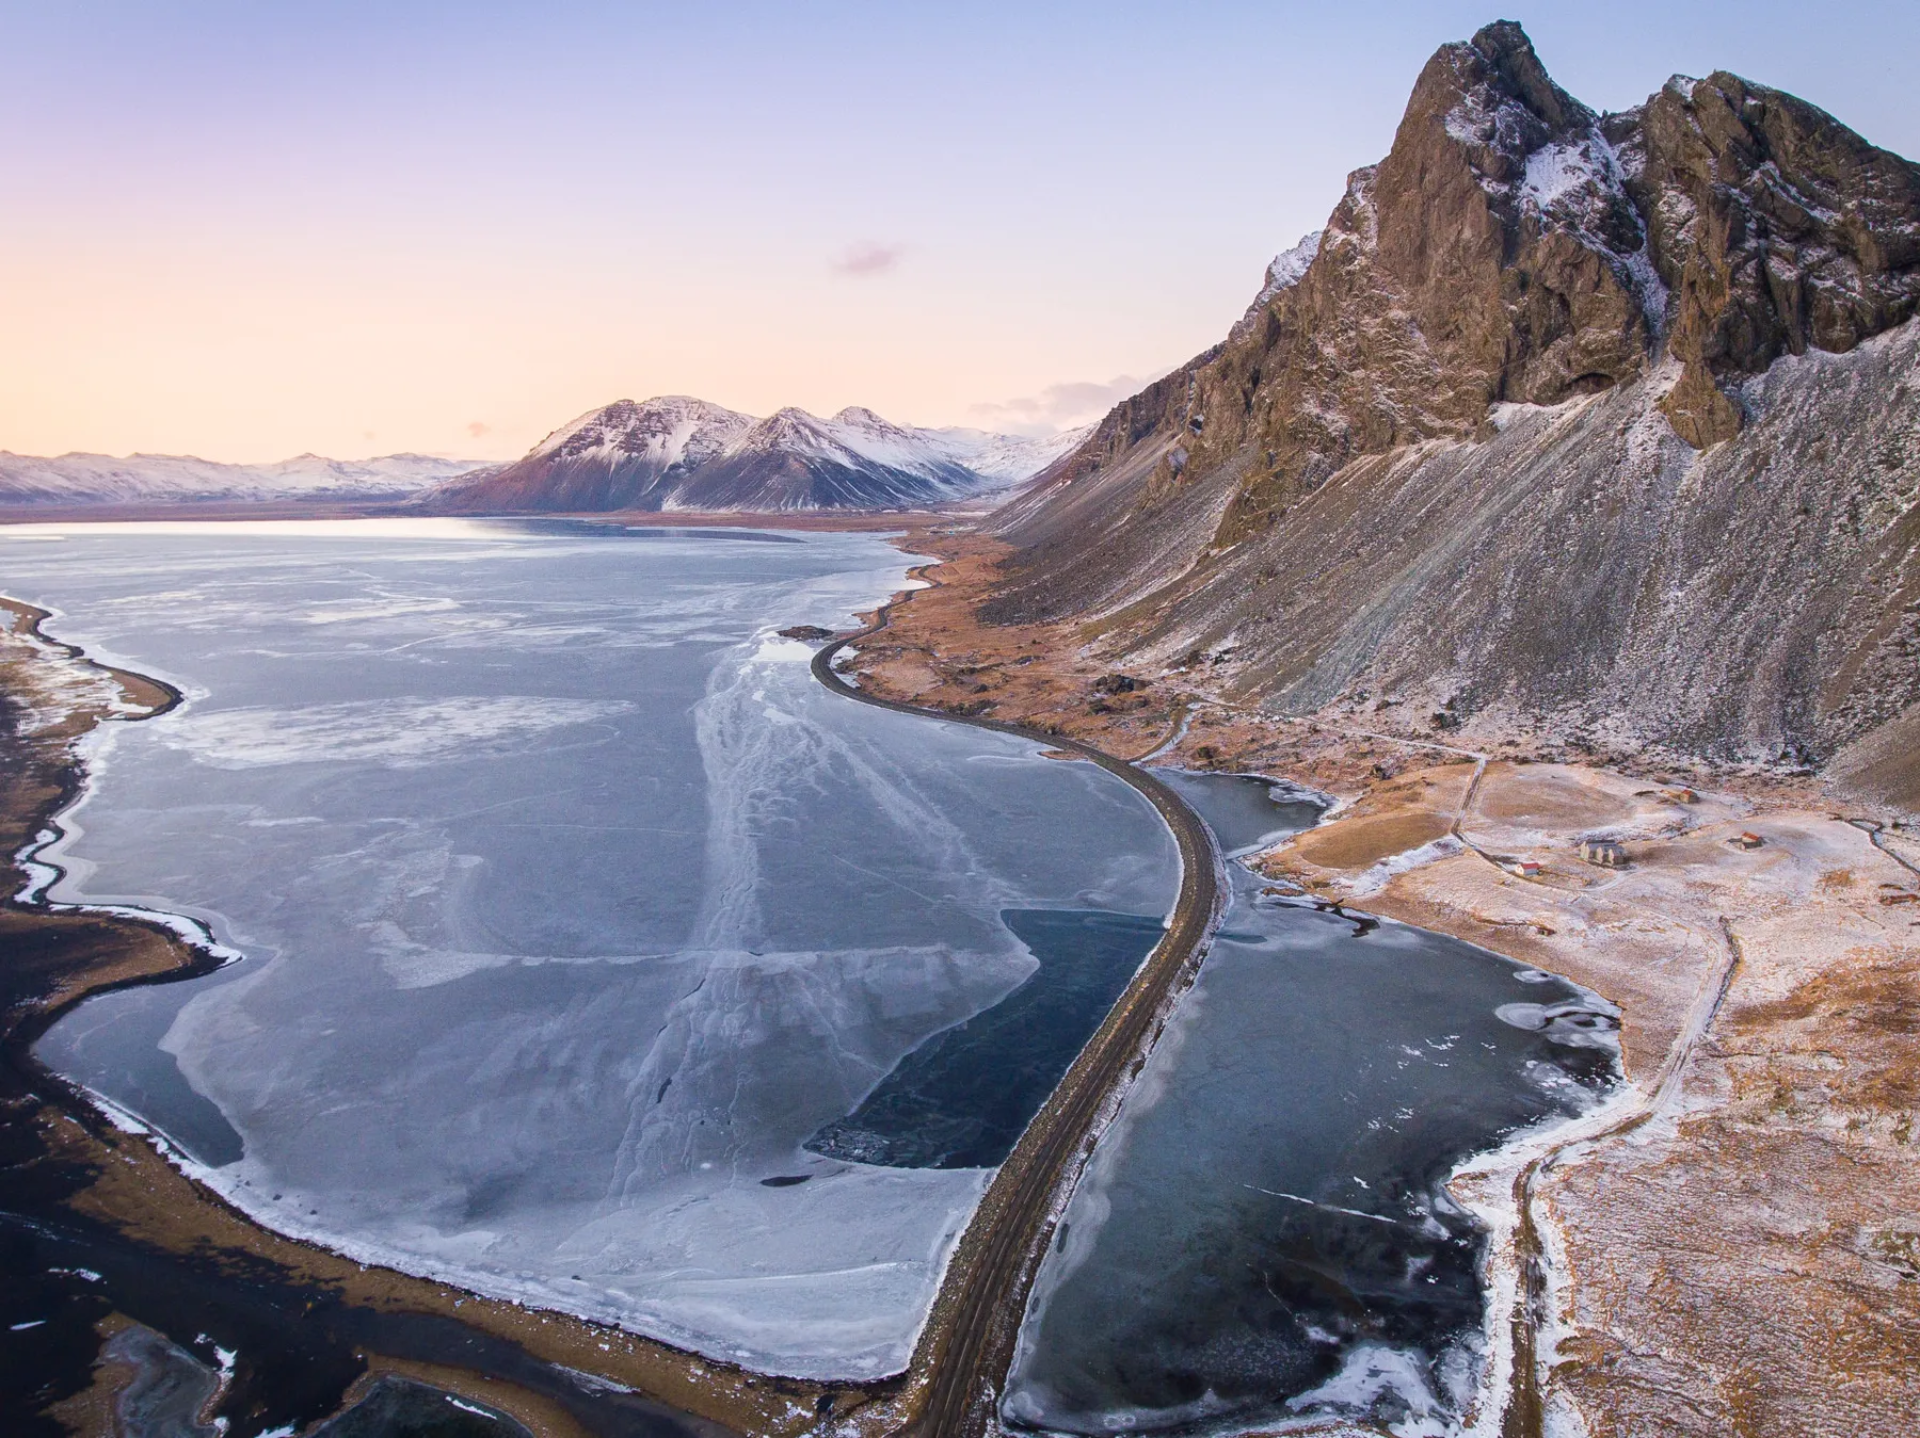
(202, 954)
(1551, 1202)
(968, 1341)
(1798, 1057)
(159, 1199)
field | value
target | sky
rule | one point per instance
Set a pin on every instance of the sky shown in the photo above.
(247, 231)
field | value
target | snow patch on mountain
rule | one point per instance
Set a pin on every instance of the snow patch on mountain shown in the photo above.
(683, 454)
(1007, 460)
(856, 438)
(179, 479)
(669, 431)
(1289, 265)
(1555, 170)
(1559, 170)
(1580, 184)
(1283, 273)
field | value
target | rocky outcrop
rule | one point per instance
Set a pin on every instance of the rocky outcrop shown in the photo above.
(1776, 228)
(1545, 431)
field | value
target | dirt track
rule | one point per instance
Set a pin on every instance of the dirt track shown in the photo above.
(968, 1343)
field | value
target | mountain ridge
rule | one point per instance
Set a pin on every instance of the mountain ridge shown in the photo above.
(674, 452)
(80, 478)
(1548, 373)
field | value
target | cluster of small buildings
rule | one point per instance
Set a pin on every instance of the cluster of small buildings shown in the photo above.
(1607, 853)
(1612, 854)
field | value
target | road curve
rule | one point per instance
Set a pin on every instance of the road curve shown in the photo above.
(965, 1350)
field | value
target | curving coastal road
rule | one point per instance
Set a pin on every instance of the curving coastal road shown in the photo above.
(967, 1346)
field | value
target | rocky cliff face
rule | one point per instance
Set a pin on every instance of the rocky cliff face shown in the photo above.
(1548, 429)
(1776, 228)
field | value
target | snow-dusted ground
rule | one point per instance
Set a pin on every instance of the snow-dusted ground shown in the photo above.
(571, 907)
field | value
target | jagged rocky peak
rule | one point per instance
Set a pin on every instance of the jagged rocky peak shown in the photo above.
(1546, 422)
(1283, 273)
(1501, 216)
(1747, 224)
(1494, 255)
(1777, 228)
(1515, 246)
(1492, 94)
(1541, 156)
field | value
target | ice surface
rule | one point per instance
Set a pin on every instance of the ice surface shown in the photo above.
(1264, 1234)
(400, 733)
(572, 907)
(964, 1097)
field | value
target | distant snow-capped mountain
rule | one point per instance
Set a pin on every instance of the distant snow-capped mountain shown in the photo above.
(1008, 459)
(680, 453)
(144, 479)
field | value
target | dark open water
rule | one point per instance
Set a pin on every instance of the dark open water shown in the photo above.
(1264, 1235)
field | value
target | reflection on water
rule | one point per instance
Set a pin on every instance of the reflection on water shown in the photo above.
(1264, 1235)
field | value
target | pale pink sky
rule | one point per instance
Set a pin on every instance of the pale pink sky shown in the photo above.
(245, 231)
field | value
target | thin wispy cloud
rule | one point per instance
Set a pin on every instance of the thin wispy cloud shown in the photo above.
(1061, 406)
(868, 259)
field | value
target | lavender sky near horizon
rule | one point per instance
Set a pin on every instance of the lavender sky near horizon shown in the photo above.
(247, 231)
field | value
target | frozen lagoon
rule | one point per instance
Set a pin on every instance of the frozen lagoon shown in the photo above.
(1263, 1239)
(574, 912)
